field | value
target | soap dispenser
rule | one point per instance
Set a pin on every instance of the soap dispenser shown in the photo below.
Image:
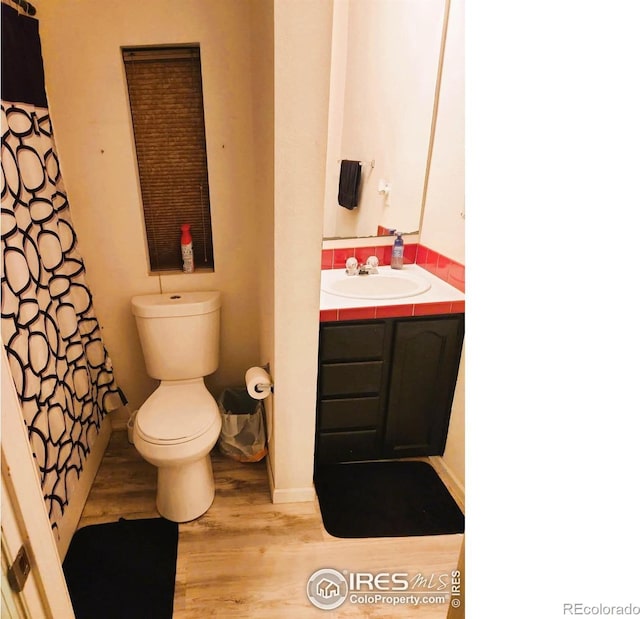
(397, 252)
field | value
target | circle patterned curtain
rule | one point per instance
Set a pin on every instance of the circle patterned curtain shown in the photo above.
(61, 370)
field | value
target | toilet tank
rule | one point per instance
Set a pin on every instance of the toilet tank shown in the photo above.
(179, 333)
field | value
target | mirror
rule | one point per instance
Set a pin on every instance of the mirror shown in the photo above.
(384, 69)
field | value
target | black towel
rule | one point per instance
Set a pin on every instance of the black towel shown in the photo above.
(349, 184)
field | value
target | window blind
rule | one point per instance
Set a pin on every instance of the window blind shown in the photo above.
(165, 96)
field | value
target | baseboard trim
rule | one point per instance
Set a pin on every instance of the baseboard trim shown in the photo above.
(288, 495)
(270, 478)
(69, 522)
(293, 495)
(449, 479)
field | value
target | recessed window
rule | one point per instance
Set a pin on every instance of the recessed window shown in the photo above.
(165, 96)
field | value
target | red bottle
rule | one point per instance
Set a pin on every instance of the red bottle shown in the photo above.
(186, 245)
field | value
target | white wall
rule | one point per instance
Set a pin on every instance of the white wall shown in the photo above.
(88, 101)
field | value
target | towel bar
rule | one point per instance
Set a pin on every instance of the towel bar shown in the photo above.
(372, 163)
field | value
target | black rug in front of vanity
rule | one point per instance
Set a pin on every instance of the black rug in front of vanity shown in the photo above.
(123, 570)
(385, 499)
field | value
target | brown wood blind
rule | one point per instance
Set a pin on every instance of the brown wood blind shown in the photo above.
(165, 95)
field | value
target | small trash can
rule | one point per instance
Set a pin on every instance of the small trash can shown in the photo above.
(242, 436)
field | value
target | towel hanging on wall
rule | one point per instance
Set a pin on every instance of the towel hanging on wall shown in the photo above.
(349, 186)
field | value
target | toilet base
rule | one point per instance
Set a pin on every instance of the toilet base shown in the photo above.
(185, 492)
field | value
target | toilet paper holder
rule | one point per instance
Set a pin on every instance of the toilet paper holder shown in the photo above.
(259, 382)
(261, 387)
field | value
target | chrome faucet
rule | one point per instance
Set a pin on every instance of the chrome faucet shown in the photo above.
(369, 268)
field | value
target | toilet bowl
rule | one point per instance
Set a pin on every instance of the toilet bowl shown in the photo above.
(176, 428)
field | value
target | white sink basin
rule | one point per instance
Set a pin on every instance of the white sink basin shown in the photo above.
(387, 284)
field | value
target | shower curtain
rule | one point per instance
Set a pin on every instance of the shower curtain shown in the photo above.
(58, 362)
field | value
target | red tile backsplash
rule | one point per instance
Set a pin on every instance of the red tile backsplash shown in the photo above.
(421, 255)
(442, 268)
(340, 256)
(386, 255)
(456, 276)
(379, 253)
(327, 259)
(362, 253)
(410, 251)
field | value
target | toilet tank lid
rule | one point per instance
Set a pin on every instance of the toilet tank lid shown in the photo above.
(172, 304)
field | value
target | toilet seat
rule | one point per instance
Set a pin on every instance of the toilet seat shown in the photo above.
(176, 412)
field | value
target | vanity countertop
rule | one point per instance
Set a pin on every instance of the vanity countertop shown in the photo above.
(441, 298)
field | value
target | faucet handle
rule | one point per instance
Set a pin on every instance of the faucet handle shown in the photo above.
(373, 261)
(351, 265)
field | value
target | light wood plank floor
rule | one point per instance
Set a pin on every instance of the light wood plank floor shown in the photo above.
(247, 557)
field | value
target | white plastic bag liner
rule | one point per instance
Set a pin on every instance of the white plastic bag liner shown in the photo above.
(242, 436)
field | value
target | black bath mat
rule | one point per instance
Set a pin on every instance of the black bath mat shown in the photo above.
(123, 570)
(385, 499)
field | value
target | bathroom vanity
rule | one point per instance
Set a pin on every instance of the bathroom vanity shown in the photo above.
(385, 387)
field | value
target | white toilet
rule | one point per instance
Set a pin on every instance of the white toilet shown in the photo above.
(178, 425)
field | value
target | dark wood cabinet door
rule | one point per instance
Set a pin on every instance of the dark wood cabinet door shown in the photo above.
(424, 369)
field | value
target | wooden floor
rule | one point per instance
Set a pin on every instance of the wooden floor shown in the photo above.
(247, 557)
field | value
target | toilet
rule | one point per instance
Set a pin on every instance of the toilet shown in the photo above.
(179, 423)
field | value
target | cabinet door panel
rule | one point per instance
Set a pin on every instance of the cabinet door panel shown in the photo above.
(347, 446)
(350, 378)
(424, 367)
(349, 413)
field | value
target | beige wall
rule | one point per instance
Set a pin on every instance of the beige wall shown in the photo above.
(337, 85)
(262, 66)
(302, 58)
(443, 225)
(88, 101)
(388, 55)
